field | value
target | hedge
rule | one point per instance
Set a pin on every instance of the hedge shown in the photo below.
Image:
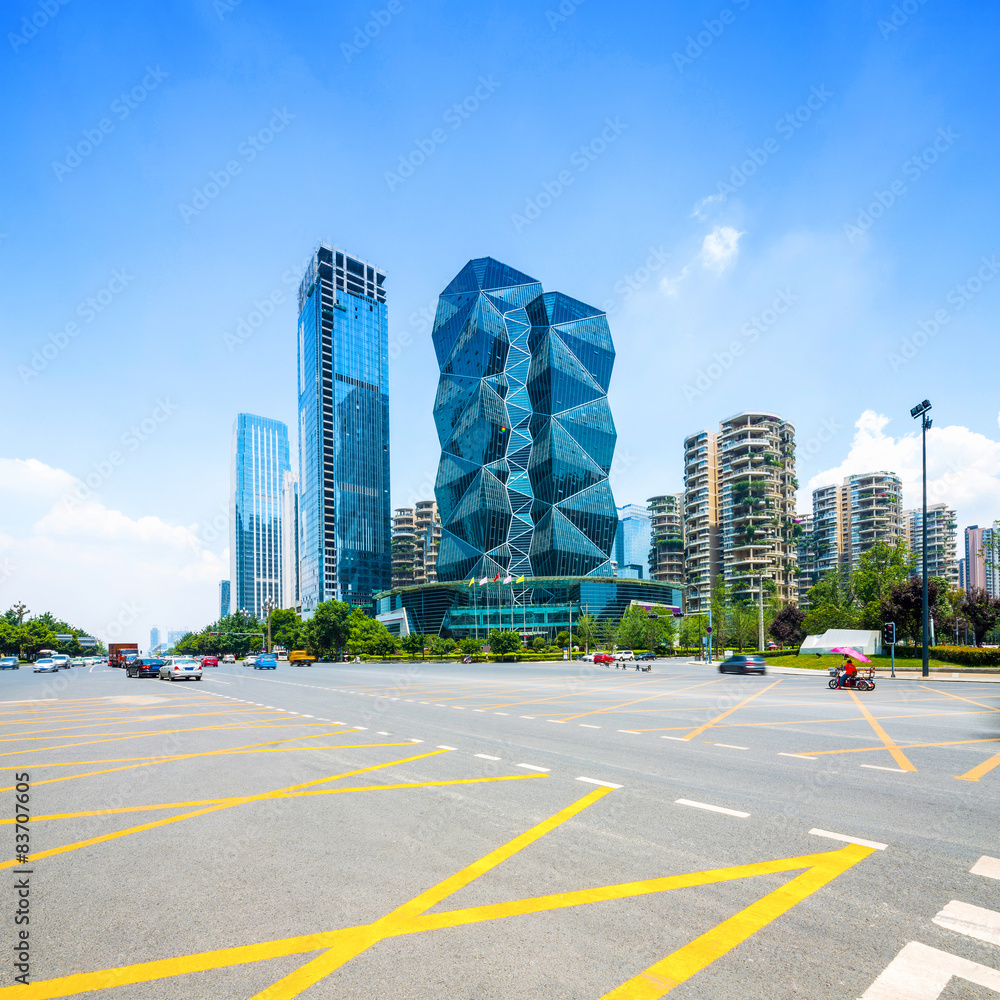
(966, 656)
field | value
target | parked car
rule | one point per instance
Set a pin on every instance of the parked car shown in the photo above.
(209, 661)
(229, 658)
(144, 666)
(9, 663)
(587, 657)
(181, 668)
(249, 660)
(46, 666)
(266, 661)
(603, 658)
(740, 664)
(624, 654)
(646, 656)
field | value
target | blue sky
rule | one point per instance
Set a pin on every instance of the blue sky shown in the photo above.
(686, 166)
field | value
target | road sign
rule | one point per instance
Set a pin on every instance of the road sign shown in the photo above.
(65, 637)
(87, 640)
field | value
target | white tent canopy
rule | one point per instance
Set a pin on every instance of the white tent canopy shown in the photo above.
(864, 641)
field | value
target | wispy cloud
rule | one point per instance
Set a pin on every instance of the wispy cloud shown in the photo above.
(719, 249)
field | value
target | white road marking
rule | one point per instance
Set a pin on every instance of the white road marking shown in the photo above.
(973, 921)
(479, 710)
(879, 767)
(27, 701)
(527, 716)
(461, 708)
(715, 809)
(586, 725)
(501, 713)
(635, 731)
(412, 740)
(380, 733)
(532, 767)
(215, 680)
(560, 722)
(919, 972)
(443, 747)
(731, 746)
(594, 781)
(356, 727)
(486, 756)
(848, 840)
(801, 756)
(990, 867)
(440, 706)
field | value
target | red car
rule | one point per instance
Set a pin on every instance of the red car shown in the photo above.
(603, 658)
(210, 661)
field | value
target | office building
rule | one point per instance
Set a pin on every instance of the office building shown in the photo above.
(666, 553)
(225, 601)
(963, 581)
(290, 541)
(527, 439)
(343, 404)
(633, 541)
(259, 463)
(702, 551)
(154, 639)
(941, 541)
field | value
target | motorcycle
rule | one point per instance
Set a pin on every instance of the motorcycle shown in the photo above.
(856, 681)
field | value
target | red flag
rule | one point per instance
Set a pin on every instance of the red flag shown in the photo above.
(497, 577)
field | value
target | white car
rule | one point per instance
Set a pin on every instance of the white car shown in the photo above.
(229, 658)
(180, 668)
(249, 661)
(587, 657)
(89, 661)
(46, 666)
(624, 654)
(61, 660)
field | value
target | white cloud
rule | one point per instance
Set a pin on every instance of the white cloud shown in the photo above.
(719, 248)
(963, 467)
(698, 212)
(97, 567)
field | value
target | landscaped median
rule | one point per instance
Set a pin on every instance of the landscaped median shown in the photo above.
(942, 659)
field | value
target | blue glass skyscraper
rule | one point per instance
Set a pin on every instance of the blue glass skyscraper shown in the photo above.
(633, 541)
(260, 460)
(343, 385)
(525, 428)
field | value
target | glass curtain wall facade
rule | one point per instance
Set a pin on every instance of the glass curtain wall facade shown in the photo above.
(224, 599)
(633, 541)
(525, 428)
(290, 540)
(343, 385)
(260, 461)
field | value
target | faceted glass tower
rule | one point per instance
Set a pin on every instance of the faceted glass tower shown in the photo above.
(525, 428)
(343, 365)
(260, 461)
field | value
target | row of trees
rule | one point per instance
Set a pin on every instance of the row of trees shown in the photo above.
(25, 636)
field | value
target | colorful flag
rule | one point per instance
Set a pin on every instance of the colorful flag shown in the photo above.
(520, 579)
(483, 582)
(497, 577)
(508, 579)
(472, 581)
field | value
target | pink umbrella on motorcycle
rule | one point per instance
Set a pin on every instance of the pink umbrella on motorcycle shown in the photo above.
(852, 653)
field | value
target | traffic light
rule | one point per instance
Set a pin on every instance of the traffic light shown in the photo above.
(889, 634)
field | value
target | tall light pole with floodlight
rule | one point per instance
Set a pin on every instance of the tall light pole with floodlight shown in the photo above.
(920, 410)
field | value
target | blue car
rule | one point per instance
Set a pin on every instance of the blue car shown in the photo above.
(266, 661)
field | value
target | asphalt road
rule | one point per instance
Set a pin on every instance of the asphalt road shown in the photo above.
(547, 830)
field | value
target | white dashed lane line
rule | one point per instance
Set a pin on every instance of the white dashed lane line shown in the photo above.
(533, 767)
(711, 808)
(990, 867)
(844, 839)
(486, 756)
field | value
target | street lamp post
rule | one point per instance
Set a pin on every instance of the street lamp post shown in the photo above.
(920, 410)
(268, 607)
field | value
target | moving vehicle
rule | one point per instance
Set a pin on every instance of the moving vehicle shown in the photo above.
(78, 661)
(89, 661)
(144, 666)
(302, 657)
(9, 663)
(46, 666)
(603, 658)
(266, 661)
(587, 658)
(229, 658)
(646, 656)
(117, 652)
(743, 664)
(209, 661)
(61, 660)
(181, 668)
(249, 660)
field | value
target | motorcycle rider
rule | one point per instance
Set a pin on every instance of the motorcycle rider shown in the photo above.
(848, 669)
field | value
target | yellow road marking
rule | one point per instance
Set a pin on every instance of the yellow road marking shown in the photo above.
(977, 772)
(905, 746)
(728, 712)
(652, 697)
(897, 755)
(948, 694)
(261, 796)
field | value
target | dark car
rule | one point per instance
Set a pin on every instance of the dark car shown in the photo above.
(266, 661)
(9, 663)
(646, 656)
(144, 666)
(743, 665)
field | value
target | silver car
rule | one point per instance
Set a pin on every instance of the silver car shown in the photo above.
(180, 668)
(46, 666)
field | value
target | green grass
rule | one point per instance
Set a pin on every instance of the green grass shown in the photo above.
(813, 662)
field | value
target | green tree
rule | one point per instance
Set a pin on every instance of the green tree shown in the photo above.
(440, 646)
(368, 635)
(904, 606)
(286, 628)
(879, 569)
(825, 616)
(563, 639)
(413, 643)
(982, 611)
(327, 632)
(786, 628)
(504, 641)
(743, 622)
(632, 627)
(608, 630)
(832, 590)
(586, 631)
(538, 644)
(720, 601)
(470, 645)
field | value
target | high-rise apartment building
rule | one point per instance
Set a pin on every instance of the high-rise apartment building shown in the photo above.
(633, 541)
(225, 600)
(259, 463)
(757, 504)
(427, 527)
(666, 553)
(290, 541)
(981, 559)
(828, 529)
(806, 557)
(702, 550)
(525, 427)
(404, 538)
(343, 403)
(941, 541)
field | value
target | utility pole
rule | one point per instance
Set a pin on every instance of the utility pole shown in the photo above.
(760, 615)
(20, 609)
(920, 410)
(268, 607)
